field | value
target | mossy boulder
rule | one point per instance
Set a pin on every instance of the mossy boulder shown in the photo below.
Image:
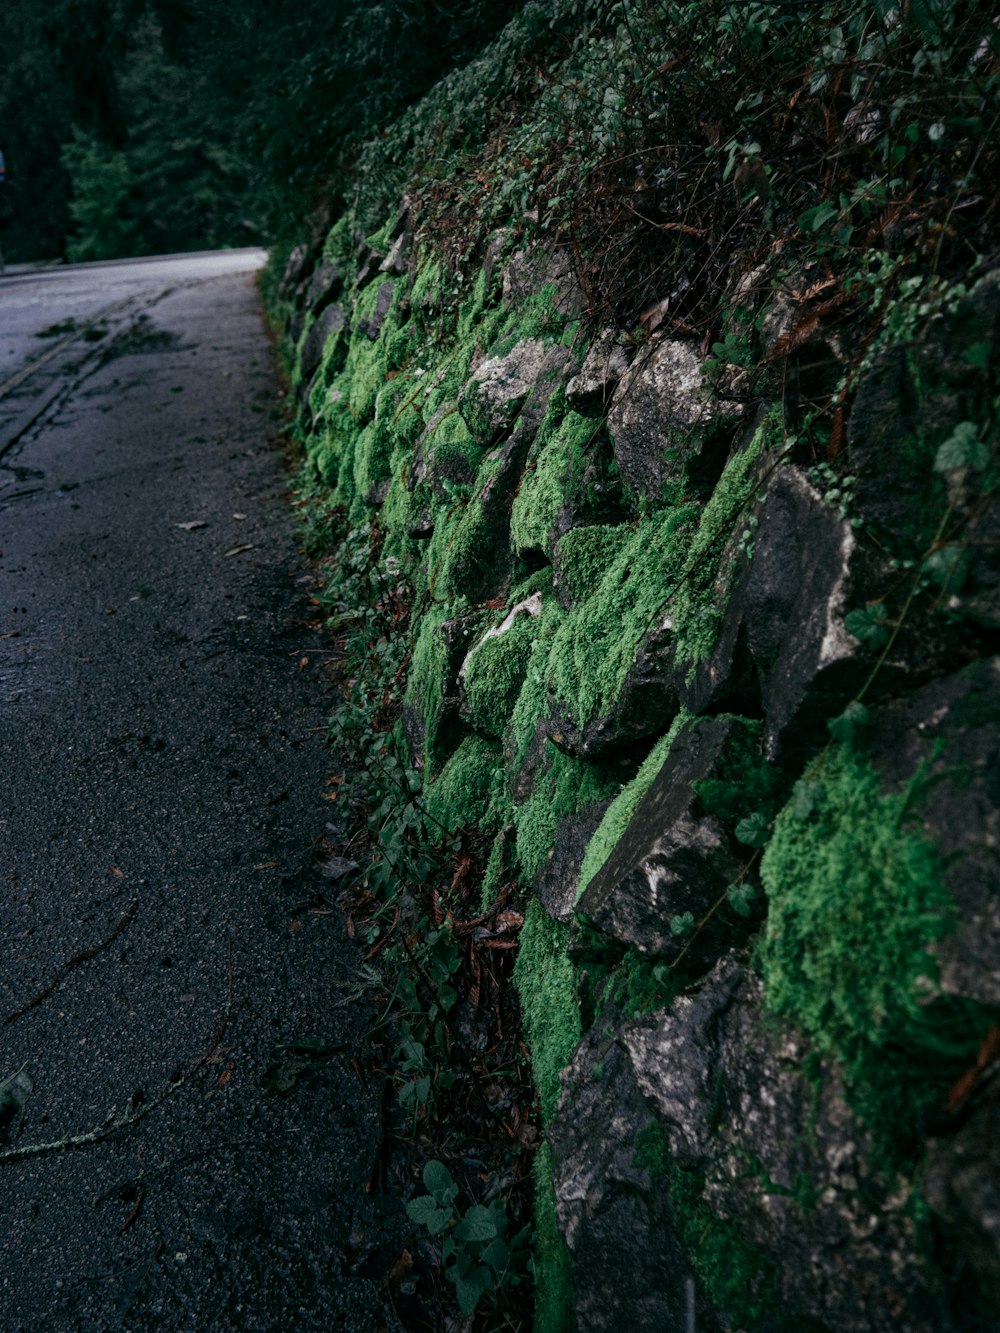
(492, 675)
(663, 887)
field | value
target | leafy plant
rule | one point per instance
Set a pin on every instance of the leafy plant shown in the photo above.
(476, 1251)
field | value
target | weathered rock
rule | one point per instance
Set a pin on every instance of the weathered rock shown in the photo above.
(556, 883)
(629, 1269)
(480, 559)
(500, 386)
(645, 703)
(675, 858)
(295, 271)
(590, 391)
(311, 351)
(785, 615)
(371, 325)
(325, 285)
(948, 732)
(527, 273)
(785, 1166)
(960, 1184)
(663, 427)
(369, 262)
(908, 404)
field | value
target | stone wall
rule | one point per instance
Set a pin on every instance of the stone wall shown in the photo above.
(727, 707)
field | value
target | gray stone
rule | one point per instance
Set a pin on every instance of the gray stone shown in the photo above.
(663, 426)
(644, 705)
(556, 883)
(499, 387)
(311, 351)
(961, 1183)
(783, 631)
(325, 285)
(528, 272)
(371, 325)
(674, 859)
(607, 360)
(628, 1267)
(948, 732)
(784, 1162)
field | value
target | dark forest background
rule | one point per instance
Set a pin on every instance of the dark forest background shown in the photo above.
(147, 126)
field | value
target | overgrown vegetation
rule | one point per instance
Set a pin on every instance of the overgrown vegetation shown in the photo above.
(790, 192)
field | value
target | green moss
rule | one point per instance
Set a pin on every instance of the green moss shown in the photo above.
(546, 983)
(740, 1279)
(619, 813)
(469, 790)
(473, 554)
(557, 456)
(746, 782)
(425, 683)
(595, 647)
(372, 451)
(554, 1304)
(584, 554)
(698, 603)
(564, 786)
(496, 673)
(532, 701)
(856, 899)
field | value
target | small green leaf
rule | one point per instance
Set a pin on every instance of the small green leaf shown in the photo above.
(682, 924)
(740, 897)
(470, 1286)
(497, 1254)
(440, 1182)
(424, 1210)
(754, 830)
(962, 449)
(478, 1224)
(868, 624)
(978, 356)
(850, 721)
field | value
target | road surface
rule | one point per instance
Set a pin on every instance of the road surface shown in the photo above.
(170, 964)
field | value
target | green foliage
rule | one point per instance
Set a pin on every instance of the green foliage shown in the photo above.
(479, 1257)
(546, 983)
(856, 900)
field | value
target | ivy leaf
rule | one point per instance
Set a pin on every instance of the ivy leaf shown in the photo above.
(740, 897)
(470, 1286)
(978, 355)
(425, 1211)
(868, 624)
(962, 449)
(478, 1224)
(754, 830)
(440, 1182)
(806, 798)
(682, 924)
(850, 721)
(943, 565)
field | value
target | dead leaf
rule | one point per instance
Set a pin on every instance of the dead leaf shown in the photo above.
(238, 550)
(118, 874)
(193, 526)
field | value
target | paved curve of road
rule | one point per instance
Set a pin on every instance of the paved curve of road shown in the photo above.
(167, 956)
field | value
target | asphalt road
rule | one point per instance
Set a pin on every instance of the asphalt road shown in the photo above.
(168, 956)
